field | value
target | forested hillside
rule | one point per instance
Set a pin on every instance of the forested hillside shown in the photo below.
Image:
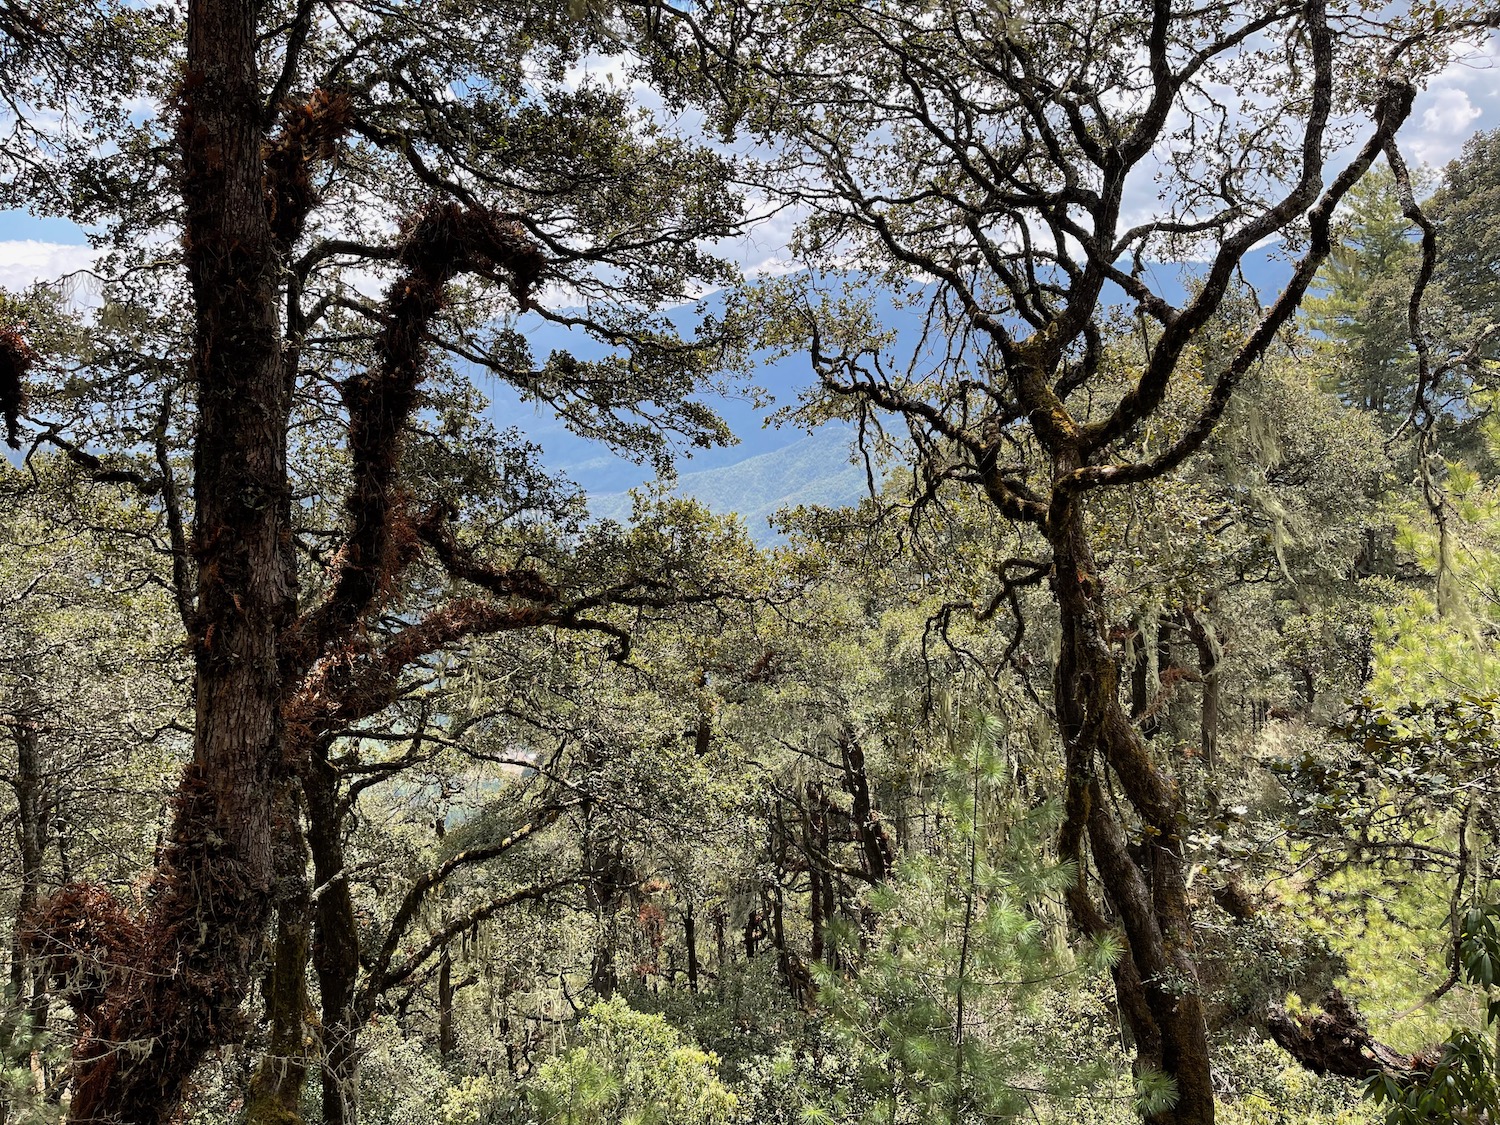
(1129, 752)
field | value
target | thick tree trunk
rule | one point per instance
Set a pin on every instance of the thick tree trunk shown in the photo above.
(246, 588)
(1144, 884)
(175, 992)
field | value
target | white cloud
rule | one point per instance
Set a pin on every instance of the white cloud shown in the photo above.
(1450, 113)
(777, 265)
(1460, 100)
(613, 70)
(24, 262)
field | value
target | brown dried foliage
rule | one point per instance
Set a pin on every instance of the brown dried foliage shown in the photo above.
(136, 976)
(83, 934)
(443, 241)
(309, 133)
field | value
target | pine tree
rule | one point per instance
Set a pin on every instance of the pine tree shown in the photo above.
(946, 1004)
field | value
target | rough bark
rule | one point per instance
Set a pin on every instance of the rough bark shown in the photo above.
(1336, 1041)
(175, 992)
(275, 1093)
(1144, 886)
(335, 952)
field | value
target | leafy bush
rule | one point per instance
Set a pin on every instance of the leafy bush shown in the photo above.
(630, 1068)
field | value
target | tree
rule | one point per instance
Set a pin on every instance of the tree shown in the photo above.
(1361, 305)
(631, 1068)
(92, 694)
(980, 157)
(1464, 209)
(548, 730)
(942, 1005)
(289, 131)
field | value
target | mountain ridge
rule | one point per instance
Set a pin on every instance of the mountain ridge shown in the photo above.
(814, 469)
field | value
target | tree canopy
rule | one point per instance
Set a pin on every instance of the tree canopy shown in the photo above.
(1125, 754)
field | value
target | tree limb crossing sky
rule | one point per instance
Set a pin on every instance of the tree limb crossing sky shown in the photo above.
(1461, 101)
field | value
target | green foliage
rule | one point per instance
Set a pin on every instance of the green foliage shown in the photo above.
(1463, 1085)
(403, 1081)
(746, 1018)
(1361, 307)
(1262, 1086)
(1467, 208)
(1408, 769)
(817, 1081)
(1433, 642)
(946, 1003)
(632, 1068)
(668, 732)
(25, 1055)
(1415, 786)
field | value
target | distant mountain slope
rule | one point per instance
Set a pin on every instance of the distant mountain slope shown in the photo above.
(811, 470)
(766, 471)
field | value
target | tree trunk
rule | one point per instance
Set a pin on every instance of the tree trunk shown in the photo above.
(1206, 640)
(176, 993)
(690, 941)
(774, 897)
(31, 838)
(33, 817)
(335, 955)
(1145, 887)
(275, 1093)
(876, 851)
(816, 918)
(822, 823)
(447, 1041)
(721, 944)
(1164, 685)
(1141, 661)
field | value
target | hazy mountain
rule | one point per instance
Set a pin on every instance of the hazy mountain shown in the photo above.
(813, 469)
(768, 468)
